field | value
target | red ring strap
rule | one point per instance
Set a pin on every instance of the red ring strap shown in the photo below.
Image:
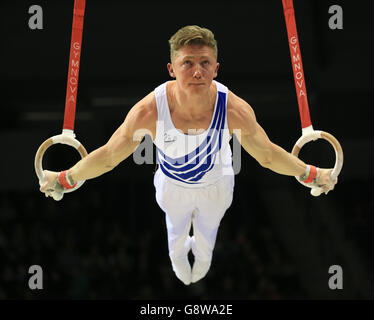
(74, 62)
(297, 65)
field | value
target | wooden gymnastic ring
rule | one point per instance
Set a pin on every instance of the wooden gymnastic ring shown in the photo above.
(67, 138)
(315, 135)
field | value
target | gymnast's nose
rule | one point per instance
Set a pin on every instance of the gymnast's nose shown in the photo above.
(197, 72)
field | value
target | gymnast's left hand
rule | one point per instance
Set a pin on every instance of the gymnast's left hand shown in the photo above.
(325, 181)
(50, 183)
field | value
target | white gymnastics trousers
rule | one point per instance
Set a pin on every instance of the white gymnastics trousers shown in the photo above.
(202, 207)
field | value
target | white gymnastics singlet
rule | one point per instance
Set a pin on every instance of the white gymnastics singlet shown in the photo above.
(193, 160)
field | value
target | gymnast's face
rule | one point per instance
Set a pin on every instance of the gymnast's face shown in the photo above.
(194, 67)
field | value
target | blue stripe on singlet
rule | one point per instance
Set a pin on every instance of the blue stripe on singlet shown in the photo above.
(192, 167)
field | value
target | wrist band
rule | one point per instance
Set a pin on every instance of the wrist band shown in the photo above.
(305, 175)
(62, 179)
(311, 175)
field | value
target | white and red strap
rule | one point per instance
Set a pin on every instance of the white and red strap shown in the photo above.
(310, 174)
(64, 181)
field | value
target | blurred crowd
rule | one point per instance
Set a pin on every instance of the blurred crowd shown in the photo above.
(358, 217)
(92, 245)
(111, 243)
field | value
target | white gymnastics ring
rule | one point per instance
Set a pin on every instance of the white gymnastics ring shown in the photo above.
(311, 135)
(67, 137)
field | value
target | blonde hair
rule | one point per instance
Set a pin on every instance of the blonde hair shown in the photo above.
(192, 35)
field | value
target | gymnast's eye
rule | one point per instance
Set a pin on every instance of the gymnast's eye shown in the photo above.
(187, 62)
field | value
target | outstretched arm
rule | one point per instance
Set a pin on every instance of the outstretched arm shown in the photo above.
(140, 120)
(255, 141)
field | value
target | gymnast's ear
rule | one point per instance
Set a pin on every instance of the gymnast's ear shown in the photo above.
(171, 70)
(216, 71)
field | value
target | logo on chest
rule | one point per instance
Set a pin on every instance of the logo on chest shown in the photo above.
(169, 138)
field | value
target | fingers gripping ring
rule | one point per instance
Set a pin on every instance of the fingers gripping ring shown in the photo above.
(313, 135)
(67, 137)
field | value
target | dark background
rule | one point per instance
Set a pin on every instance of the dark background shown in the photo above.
(108, 240)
